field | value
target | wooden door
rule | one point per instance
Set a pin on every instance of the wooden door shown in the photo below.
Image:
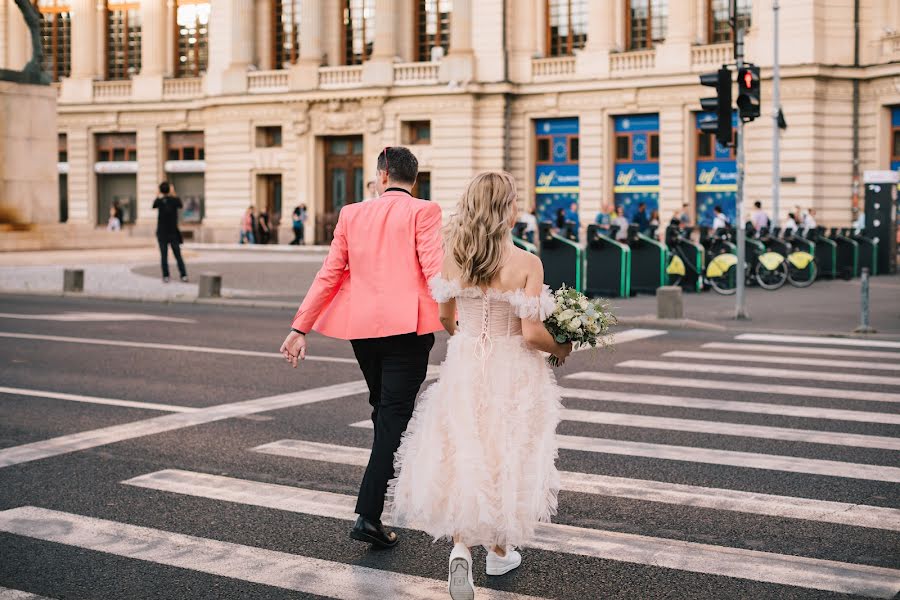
(344, 182)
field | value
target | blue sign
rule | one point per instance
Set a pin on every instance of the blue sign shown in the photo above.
(637, 176)
(716, 180)
(895, 123)
(557, 182)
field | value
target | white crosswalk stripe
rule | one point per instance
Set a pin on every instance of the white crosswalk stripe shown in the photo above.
(95, 400)
(780, 349)
(8, 594)
(652, 491)
(713, 357)
(786, 410)
(764, 372)
(736, 386)
(686, 556)
(712, 456)
(811, 339)
(268, 567)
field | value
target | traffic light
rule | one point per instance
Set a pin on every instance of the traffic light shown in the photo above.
(748, 93)
(720, 105)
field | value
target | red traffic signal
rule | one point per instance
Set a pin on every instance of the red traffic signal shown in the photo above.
(748, 100)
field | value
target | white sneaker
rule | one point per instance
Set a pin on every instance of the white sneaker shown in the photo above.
(497, 565)
(459, 580)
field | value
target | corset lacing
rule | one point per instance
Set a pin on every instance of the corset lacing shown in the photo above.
(484, 345)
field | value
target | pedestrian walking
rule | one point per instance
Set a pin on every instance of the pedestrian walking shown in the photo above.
(372, 290)
(603, 219)
(758, 217)
(114, 223)
(167, 206)
(684, 217)
(248, 224)
(263, 230)
(809, 220)
(790, 225)
(720, 221)
(640, 218)
(531, 224)
(621, 221)
(298, 222)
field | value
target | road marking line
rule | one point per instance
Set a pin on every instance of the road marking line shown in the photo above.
(856, 515)
(738, 386)
(810, 339)
(810, 436)
(776, 349)
(244, 563)
(786, 410)
(173, 347)
(117, 433)
(89, 317)
(632, 335)
(715, 369)
(96, 400)
(784, 360)
(8, 594)
(622, 547)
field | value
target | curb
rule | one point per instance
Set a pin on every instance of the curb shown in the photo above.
(236, 302)
(670, 323)
(263, 248)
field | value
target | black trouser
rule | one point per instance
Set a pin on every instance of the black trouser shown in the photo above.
(164, 242)
(394, 368)
(298, 236)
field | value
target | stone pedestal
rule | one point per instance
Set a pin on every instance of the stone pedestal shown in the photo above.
(28, 151)
(669, 303)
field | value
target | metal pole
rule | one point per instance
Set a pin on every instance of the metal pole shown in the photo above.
(864, 326)
(776, 131)
(741, 308)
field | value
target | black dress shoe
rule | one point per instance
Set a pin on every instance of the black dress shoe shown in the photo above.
(373, 532)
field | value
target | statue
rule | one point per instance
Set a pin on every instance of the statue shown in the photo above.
(32, 73)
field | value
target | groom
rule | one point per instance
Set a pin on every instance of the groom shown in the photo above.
(373, 290)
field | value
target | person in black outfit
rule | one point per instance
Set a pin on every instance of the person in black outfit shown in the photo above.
(263, 235)
(167, 233)
(641, 219)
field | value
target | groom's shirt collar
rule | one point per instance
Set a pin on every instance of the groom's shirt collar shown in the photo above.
(397, 189)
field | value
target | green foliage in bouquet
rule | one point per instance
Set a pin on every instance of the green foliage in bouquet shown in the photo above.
(579, 319)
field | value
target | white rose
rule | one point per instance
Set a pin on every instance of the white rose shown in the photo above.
(565, 315)
(593, 328)
(584, 304)
(574, 324)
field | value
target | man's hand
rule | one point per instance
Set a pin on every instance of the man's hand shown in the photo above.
(294, 348)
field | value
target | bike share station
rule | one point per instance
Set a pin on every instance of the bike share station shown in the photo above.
(563, 259)
(881, 216)
(607, 266)
(687, 260)
(847, 263)
(649, 259)
(825, 253)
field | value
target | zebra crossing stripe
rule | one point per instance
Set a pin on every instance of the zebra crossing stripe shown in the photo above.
(737, 386)
(811, 339)
(777, 349)
(764, 372)
(8, 594)
(787, 410)
(782, 360)
(95, 400)
(736, 429)
(857, 515)
(246, 563)
(622, 547)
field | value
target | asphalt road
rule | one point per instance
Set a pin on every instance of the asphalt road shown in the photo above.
(166, 451)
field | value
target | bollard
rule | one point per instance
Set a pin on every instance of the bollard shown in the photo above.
(73, 280)
(864, 326)
(669, 304)
(210, 286)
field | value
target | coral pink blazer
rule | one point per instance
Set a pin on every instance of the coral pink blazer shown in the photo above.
(374, 282)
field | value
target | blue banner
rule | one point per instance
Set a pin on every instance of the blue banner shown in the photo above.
(557, 182)
(636, 178)
(716, 180)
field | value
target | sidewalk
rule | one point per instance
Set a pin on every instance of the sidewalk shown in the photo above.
(280, 275)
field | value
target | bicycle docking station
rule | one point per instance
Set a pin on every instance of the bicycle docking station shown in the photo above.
(687, 260)
(847, 264)
(563, 259)
(825, 253)
(868, 250)
(881, 216)
(649, 259)
(607, 265)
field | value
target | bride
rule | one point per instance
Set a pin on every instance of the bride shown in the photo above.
(477, 462)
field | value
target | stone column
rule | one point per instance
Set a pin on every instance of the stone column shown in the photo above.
(264, 56)
(459, 64)
(171, 37)
(147, 85)
(305, 74)
(79, 87)
(674, 55)
(379, 69)
(601, 40)
(523, 45)
(231, 39)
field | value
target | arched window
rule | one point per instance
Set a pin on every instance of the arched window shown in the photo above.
(192, 35)
(719, 25)
(648, 21)
(287, 32)
(359, 30)
(56, 37)
(432, 27)
(566, 26)
(123, 39)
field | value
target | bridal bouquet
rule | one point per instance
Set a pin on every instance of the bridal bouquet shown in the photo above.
(579, 319)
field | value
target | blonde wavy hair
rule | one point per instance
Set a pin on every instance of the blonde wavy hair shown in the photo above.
(478, 234)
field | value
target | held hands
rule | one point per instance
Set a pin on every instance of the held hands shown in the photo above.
(562, 352)
(294, 348)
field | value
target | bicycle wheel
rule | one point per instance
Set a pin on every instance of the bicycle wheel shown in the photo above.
(726, 283)
(802, 278)
(770, 279)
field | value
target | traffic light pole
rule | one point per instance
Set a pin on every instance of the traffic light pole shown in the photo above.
(776, 130)
(741, 308)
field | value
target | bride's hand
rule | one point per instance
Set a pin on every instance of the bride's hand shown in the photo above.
(562, 352)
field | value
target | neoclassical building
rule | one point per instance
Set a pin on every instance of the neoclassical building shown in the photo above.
(277, 103)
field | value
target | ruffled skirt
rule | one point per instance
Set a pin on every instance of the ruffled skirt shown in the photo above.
(478, 457)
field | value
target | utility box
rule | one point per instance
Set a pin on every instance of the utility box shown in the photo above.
(881, 216)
